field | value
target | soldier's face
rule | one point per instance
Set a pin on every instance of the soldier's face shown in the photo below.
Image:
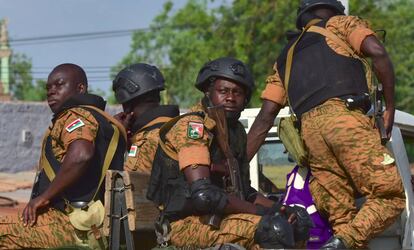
(60, 87)
(230, 95)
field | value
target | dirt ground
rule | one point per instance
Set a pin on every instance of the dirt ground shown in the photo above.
(15, 191)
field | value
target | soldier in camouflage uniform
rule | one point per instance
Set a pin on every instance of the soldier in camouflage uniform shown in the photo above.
(186, 186)
(345, 152)
(137, 87)
(70, 148)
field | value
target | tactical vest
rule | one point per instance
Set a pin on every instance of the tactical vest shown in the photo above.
(85, 187)
(168, 187)
(318, 73)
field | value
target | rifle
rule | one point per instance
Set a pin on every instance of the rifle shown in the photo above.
(218, 114)
(378, 112)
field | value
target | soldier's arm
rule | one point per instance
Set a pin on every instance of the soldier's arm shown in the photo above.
(261, 126)
(79, 144)
(358, 33)
(384, 70)
(274, 98)
(74, 165)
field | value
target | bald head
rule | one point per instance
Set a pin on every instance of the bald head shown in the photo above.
(65, 81)
(75, 72)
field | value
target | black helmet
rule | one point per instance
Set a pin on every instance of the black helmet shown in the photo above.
(228, 68)
(136, 80)
(306, 5)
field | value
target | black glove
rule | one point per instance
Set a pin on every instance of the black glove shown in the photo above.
(302, 224)
(274, 231)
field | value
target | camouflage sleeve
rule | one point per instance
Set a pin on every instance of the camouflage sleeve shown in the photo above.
(274, 90)
(351, 29)
(190, 139)
(142, 152)
(78, 124)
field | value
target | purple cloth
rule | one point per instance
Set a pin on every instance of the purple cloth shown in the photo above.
(298, 193)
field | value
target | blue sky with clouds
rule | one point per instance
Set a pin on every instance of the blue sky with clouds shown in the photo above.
(39, 18)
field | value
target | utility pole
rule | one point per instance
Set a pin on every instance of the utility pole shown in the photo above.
(346, 4)
(5, 54)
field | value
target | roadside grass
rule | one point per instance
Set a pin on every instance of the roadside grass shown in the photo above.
(277, 174)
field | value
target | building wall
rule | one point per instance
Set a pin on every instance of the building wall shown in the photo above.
(22, 126)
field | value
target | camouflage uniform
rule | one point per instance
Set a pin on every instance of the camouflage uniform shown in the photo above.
(144, 141)
(190, 231)
(143, 147)
(346, 155)
(52, 228)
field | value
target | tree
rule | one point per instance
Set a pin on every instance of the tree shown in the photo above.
(254, 31)
(180, 43)
(21, 80)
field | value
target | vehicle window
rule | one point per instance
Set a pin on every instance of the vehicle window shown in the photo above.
(274, 164)
(409, 147)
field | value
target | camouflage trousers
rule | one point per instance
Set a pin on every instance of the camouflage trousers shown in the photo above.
(52, 229)
(347, 159)
(236, 228)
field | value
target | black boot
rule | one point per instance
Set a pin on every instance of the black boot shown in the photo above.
(334, 243)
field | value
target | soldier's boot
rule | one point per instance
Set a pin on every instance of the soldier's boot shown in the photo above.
(334, 243)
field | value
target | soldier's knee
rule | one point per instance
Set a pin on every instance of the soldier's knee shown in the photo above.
(274, 231)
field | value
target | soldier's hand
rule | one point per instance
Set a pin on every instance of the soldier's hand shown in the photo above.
(31, 209)
(125, 119)
(389, 121)
(291, 216)
(277, 208)
(302, 222)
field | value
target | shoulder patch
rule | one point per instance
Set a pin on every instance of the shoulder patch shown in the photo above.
(133, 151)
(74, 125)
(195, 130)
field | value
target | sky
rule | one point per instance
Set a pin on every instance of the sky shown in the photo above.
(40, 18)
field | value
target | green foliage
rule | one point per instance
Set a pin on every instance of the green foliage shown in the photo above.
(181, 41)
(21, 80)
(396, 17)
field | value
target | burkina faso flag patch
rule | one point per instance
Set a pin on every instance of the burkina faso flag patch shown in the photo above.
(74, 125)
(195, 130)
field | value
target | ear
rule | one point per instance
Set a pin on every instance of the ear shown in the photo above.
(82, 88)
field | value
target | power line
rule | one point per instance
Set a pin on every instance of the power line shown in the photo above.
(73, 37)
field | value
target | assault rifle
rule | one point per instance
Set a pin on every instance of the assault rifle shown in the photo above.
(234, 187)
(378, 112)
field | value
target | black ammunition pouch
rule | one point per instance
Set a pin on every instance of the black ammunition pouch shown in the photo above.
(362, 102)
